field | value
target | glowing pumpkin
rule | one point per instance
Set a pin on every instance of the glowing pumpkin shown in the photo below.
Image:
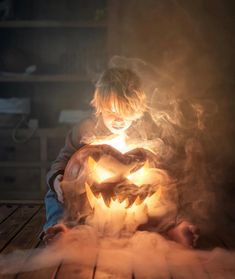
(99, 174)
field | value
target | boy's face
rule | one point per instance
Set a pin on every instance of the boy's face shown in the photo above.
(116, 123)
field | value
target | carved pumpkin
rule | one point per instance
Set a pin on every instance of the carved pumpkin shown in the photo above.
(131, 176)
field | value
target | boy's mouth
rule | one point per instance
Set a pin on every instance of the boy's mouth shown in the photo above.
(117, 127)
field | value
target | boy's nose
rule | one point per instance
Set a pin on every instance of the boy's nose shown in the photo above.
(119, 119)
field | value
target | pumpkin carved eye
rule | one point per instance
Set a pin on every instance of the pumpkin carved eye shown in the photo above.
(110, 169)
(139, 177)
(98, 172)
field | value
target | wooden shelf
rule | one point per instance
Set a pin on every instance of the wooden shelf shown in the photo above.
(44, 78)
(24, 171)
(51, 24)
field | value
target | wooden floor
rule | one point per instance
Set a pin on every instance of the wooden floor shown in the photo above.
(21, 224)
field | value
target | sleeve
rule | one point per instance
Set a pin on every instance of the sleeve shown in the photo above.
(72, 144)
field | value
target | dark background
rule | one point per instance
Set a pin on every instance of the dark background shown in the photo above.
(190, 43)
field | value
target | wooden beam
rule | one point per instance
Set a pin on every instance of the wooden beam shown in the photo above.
(51, 24)
(44, 78)
(19, 202)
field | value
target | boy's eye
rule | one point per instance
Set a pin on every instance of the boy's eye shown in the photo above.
(116, 115)
(110, 113)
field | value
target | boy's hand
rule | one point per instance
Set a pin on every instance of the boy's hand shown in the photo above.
(57, 187)
(53, 233)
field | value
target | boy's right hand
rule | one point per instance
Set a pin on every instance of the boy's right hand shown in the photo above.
(57, 187)
(53, 233)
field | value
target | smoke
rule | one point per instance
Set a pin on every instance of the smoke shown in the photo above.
(180, 139)
(183, 133)
(191, 45)
(144, 254)
(70, 247)
(189, 84)
(184, 137)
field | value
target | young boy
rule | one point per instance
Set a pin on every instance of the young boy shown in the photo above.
(120, 106)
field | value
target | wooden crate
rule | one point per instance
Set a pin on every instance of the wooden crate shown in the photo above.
(24, 165)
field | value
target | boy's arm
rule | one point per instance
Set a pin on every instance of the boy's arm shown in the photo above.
(72, 144)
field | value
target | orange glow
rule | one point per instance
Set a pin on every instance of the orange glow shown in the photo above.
(99, 173)
(138, 177)
(152, 200)
(115, 204)
(118, 142)
(99, 201)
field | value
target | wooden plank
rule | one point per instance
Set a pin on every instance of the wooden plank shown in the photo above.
(184, 264)
(81, 265)
(215, 240)
(67, 269)
(6, 211)
(218, 271)
(73, 270)
(45, 273)
(28, 237)
(148, 259)
(150, 265)
(107, 269)
(12, 226)
(113, 263)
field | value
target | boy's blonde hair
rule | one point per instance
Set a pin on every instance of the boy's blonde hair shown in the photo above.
(119, 90)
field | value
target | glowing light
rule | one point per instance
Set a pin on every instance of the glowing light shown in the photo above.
(115, 204)
(93, 200)
(151, 201)
(98, 173)
(101, 174)
(117, 142)
(138, 177)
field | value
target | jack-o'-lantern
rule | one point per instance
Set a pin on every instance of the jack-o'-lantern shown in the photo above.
(99, 175)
